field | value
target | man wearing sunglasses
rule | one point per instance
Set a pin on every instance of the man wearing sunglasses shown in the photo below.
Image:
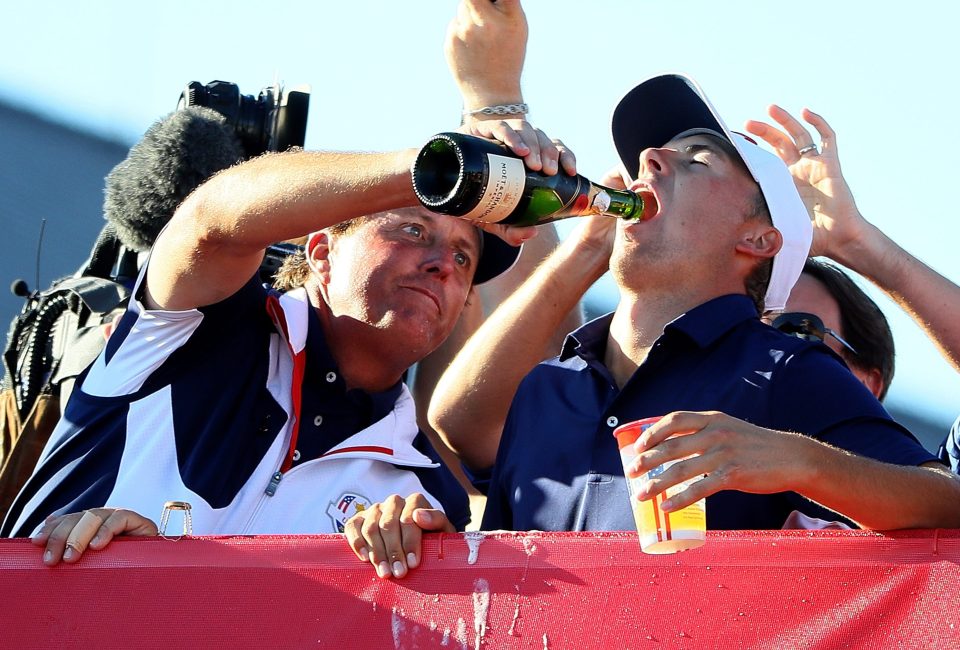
(826, 305)
(843, 234)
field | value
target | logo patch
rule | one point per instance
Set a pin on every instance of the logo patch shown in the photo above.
(345, 507)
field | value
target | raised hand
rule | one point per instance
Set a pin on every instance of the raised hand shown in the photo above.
(485, 46)
(837, 223)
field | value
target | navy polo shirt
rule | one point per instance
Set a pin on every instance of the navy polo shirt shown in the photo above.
(329, 410)
(558, 467)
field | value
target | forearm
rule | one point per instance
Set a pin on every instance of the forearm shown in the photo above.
(220, 231)
(483, 301)
(929, 298)
(876, 495)
(485, 47)
(496, 291)
(472, 398)
(282, 196)
(428, 372)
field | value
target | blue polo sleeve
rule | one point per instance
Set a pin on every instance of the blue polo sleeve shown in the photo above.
(816, 394)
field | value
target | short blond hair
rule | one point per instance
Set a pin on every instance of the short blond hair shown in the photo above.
(295, 270)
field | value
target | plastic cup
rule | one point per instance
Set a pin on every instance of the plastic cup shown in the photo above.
(660, 532)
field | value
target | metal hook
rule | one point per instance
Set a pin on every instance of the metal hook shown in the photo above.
(182, 506)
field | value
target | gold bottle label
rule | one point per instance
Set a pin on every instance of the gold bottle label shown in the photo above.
(503, 191)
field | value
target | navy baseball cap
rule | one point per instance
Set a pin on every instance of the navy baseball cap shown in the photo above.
(496, 257)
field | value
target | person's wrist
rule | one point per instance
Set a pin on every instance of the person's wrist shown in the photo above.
(480, 99)
(496, 112)
(809, 459)
(862, 250)
(588, 251)
(475, 95)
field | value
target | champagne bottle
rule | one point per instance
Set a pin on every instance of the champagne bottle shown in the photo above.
(480, 180)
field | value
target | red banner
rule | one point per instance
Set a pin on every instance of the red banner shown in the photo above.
(790, 589)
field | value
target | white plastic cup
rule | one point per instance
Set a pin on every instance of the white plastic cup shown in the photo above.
(659, 532)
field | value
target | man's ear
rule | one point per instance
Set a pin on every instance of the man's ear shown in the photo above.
(318, 255)
(872, 379)
(759, 240)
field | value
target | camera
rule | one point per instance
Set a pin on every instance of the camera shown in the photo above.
(275, 120)
(274, 257)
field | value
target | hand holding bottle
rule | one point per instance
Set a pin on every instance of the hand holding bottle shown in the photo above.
(485, 47)
(595, 234)
(482, 181)
(538, 151)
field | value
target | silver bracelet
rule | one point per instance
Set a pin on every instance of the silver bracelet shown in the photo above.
(500, 109)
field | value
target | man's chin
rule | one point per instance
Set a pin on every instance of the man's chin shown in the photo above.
(419, 331)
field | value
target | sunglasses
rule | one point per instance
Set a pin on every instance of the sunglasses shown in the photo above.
(808, 327)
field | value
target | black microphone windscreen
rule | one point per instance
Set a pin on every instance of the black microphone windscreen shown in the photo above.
(19, 288)
(176, 155)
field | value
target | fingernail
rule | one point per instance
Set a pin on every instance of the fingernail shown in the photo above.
(398, 569)
(412, 561)
(522, 236)
(422, 517)
(383, 569)
(364, 554)
(48, 557)
(95, 541)
(68, 554)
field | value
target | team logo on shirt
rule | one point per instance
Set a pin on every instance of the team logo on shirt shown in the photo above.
(345, 507)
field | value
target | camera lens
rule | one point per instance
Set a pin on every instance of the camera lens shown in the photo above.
(251, 122)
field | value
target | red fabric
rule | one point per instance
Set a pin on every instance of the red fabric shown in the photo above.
(299, 368)
(783, 589)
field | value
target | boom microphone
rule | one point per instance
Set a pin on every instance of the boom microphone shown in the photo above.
(176, 155)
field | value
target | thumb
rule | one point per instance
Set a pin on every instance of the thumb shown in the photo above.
(430, 519)
(513, 235)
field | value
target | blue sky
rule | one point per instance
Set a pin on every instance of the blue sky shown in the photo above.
(883, 74)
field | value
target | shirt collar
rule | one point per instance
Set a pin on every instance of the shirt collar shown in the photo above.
(704, 324)
(708, 322)
(320, 357)
(589, 341)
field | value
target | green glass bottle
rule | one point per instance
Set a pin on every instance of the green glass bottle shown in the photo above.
(480, 180)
